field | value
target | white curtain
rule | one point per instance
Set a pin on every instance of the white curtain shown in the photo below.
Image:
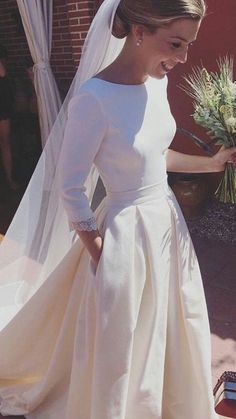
(37, 21)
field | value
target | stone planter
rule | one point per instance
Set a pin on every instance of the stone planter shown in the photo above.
(191, 192)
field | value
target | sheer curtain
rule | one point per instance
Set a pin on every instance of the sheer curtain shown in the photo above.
(39, 237)
(37, 21)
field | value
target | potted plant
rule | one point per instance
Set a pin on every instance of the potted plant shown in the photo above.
(191, 192)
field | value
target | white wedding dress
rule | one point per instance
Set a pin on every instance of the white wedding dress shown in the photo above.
(130, 339)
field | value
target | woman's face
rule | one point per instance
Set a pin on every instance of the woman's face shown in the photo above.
(163, 50)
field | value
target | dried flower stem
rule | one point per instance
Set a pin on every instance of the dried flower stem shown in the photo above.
(214, 97)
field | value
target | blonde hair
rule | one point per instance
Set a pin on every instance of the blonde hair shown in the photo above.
(154, 13)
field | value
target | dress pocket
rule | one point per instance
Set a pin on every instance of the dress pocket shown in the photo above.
(193, 298)
(93, 267)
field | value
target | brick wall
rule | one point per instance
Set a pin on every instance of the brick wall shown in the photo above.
(13, 38)
(71, 21)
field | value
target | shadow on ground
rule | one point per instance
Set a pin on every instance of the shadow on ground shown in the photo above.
(217, 262)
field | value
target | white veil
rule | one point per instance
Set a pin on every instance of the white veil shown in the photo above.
(39, 235)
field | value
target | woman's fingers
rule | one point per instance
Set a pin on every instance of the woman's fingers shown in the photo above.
(225, 155)
(232, 155)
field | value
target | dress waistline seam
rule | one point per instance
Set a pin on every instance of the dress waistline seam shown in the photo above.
(138, 196)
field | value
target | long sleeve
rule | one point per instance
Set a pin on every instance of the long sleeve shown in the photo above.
(85, 130)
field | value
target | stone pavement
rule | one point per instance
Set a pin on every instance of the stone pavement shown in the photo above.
(218, 266)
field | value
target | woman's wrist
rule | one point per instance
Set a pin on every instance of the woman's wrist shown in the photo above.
(215, 165)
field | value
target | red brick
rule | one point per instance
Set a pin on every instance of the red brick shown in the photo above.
(76, 55)
(85, 21)
(74, 34)
(77, 43)
(59, 2)
(66, 36)
(61, 16)
(57, 36)
(65, 67)
(71, 21)
(60, 43)
(64, 22)
(88, 4)
(75, 14)
(83, 34)
(57, 51)
(65, 55)
(72, 7)
(62, 8)
(57, 30)
(71, 75)
(67, 48)
(74, 21)
(58, 62)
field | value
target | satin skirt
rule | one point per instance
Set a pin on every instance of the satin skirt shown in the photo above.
(129, 339)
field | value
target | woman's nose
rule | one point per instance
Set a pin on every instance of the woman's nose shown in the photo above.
(183, 56)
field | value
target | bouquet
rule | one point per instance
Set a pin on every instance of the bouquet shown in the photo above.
(214, 95)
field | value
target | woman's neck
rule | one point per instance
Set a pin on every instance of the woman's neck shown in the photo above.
(126, 69)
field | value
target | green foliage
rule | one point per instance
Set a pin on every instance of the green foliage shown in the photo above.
(214, 95)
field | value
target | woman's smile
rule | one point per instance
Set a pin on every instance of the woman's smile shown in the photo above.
(166, 67)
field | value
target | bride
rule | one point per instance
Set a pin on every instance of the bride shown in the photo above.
(103, 315)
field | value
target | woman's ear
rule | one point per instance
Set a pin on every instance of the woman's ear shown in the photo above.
(137, 31)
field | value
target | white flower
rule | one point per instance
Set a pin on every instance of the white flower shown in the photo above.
(233, 88)
(225, 90)
(231, 123)
(206, 114)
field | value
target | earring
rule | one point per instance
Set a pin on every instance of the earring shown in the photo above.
(139, 42)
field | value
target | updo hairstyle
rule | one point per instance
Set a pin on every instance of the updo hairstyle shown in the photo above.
(154, 14)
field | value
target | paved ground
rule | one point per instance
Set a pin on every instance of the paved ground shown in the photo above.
(218, 266)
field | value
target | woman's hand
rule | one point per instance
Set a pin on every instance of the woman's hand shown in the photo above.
(96, 250)
(93, 242)
(223, 156)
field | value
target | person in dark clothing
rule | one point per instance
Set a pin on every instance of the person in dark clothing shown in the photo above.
(6, 112)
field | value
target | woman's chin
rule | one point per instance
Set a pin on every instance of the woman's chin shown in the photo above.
(158, 75)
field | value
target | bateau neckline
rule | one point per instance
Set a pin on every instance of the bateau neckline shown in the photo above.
(121, 84)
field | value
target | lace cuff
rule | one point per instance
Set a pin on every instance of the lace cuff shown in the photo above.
(87, 225)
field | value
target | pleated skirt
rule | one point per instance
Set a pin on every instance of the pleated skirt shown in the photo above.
(128, 339)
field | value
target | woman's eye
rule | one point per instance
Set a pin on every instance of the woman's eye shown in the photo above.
(175, 45)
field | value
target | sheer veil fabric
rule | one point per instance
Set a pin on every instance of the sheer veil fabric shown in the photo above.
(49, 321)
(39, 235)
